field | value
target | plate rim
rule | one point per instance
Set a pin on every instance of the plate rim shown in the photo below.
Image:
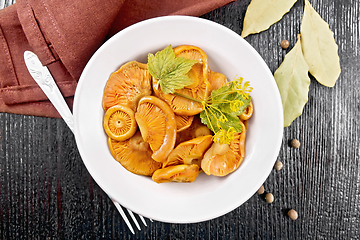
(151, 21)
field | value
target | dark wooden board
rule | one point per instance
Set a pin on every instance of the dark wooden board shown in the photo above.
(46, 191)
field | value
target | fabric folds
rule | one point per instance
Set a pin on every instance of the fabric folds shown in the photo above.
(64, 34)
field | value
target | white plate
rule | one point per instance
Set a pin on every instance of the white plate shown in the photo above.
(208, 197)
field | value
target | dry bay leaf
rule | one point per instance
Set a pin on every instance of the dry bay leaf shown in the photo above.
(293, 82)
(319, 47)
(261, 14)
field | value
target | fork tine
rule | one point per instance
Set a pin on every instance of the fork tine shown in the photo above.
(143, 220)
(122, 213)
(133, 218)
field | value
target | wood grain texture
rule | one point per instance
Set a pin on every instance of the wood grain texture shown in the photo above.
(47, 193)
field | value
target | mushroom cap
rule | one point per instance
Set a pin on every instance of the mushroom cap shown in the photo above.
(183, 122)
(248, 112)
(127, 85)
(222, 159)
(157, 125)
(197, 129)
(217, 80)
(119, 122)
(178, 173)
(134, 155)
(189, 152)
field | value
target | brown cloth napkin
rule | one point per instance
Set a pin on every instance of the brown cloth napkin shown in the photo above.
(64, 34)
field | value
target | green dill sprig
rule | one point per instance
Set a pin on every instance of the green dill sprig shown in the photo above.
(224, 106)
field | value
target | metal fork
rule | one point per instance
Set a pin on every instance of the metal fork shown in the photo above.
(43, 78)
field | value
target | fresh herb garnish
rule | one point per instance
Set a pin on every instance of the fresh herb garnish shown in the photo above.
(170, 71)
(221, 110)
(224, 106)
(223, 136)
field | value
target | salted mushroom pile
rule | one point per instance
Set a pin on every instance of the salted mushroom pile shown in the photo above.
(161, 135)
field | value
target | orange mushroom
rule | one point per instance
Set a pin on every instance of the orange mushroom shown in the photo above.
(197, 129)
(248, 112)
(127, 85)
(222, 159)
(157, 125)
(216, 80)
(134, 155)
(183, 122)
(119, 123)
(178, 173)
(189, 152)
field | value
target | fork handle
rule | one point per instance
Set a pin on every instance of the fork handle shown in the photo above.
(43, 78)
